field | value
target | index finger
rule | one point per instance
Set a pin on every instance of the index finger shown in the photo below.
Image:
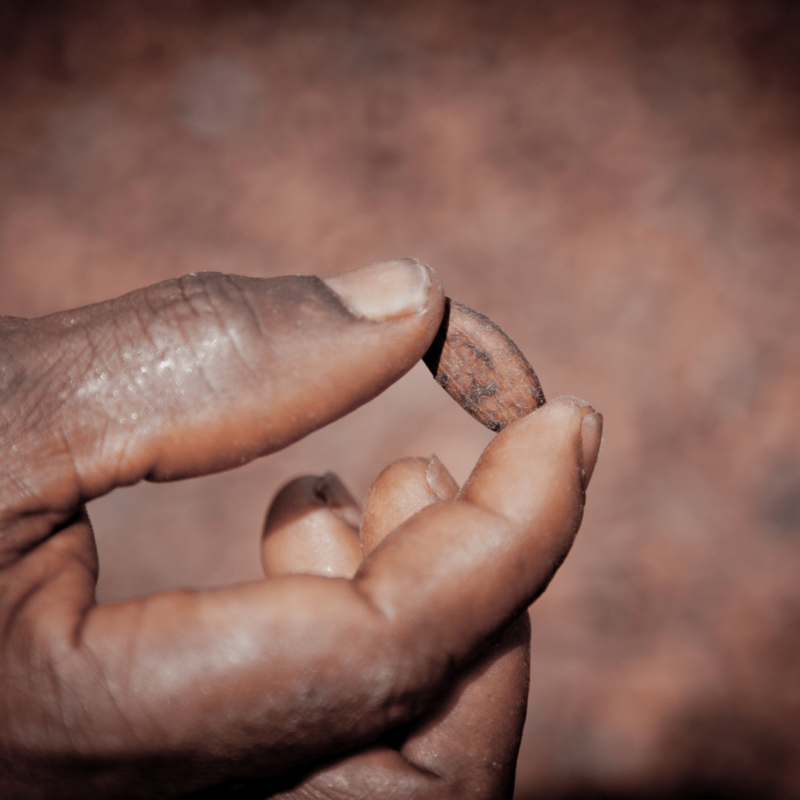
(255, 679)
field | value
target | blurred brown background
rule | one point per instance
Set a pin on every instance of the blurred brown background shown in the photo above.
(616, 183)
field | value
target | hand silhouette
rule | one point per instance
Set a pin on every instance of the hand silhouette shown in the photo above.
(402, 674)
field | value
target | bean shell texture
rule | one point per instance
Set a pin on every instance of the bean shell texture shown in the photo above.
(479, 366)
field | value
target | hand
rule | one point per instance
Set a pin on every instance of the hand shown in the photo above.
(175, 692)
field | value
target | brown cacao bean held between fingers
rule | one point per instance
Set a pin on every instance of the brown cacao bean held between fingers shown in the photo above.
(477, 364)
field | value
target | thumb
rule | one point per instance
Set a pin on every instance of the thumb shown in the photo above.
(200, 374)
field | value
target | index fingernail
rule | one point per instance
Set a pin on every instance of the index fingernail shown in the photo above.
(384, 291)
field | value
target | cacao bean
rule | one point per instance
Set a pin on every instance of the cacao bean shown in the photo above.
(479, 366)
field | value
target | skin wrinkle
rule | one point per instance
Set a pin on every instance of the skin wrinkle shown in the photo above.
(69, 454)
(147, 294)
(31, 414)
(41, 524)
(231, 336)
(244, 301)
(188, 341)
(492, 521)
(144, 328)
(196, 292)
(49, 657)
(14, 612)
(120, 692)
(7, 510)
(45, 454)
(102, 436)
(123, 450)
(10, 538)
(392, 697)
(188, 596)
(396, 702)
(400, 697)
(93, 350)
(178, 325)
(148, 327)
(159, 303)
(60, 716)
(228, 332)
(82, 619)
(116, 371)
(34, 344)
(82, 663)
(124, 345)
(109, 343)
(413, 676)
(125, 688)
(55, 367)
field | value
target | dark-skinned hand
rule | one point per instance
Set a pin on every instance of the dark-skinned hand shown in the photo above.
(385, 655)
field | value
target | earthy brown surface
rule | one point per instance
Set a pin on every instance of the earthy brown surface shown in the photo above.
(477, 364)
(630, 171)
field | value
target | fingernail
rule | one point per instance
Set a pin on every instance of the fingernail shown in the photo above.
(330, 490)
(591, 440)
(442, 483)
(384, 291)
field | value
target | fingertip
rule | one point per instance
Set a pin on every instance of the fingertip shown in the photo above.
(566, 405)
(400, 491)
(567, 411)
(564, 413)
(336, 496)
(307, 530)
(544, 446)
